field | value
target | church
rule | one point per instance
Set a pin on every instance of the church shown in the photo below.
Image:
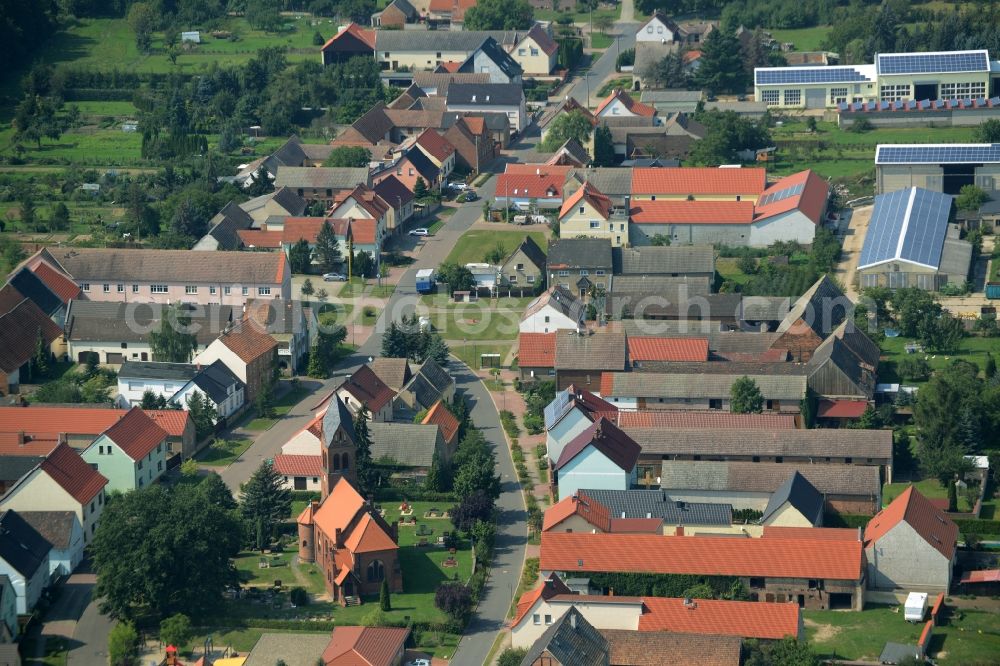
(354, 547)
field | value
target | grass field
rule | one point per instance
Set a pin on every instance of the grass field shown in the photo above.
(966, 637)
(930, 488)
(473, 244)
(282, 566)
(805, 39)
(224, 452)
(972, 349)
(598, 40)
(471, 354)
(483, 320)
(578, 17)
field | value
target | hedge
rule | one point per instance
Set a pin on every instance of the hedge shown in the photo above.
(660, 585)
(412, 495)
(974, 526)
(304, 495)
(845, 520)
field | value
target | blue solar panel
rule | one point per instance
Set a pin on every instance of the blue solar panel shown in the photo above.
(771, 197)
(918, 238)
(947, 153)
(783, 75)
(928, 63)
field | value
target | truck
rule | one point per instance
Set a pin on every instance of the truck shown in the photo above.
(425, 281)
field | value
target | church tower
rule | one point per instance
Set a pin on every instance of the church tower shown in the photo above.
(339, 446)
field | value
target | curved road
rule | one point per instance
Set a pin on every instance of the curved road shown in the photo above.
(604, 66)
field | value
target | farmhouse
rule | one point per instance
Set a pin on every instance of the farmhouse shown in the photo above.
(943, 167)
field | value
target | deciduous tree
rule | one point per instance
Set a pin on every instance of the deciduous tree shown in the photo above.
(455, 599)
(572, 125)
(348, 156)
(173, 342)
(176, 630)
(499, 15)
(123, 645)
(745, 397)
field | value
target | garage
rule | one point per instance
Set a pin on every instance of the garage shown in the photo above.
(816, 98)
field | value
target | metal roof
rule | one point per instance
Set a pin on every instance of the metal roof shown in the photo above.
(938, 153)
(908, 225)
(937, 62)
(808, 75)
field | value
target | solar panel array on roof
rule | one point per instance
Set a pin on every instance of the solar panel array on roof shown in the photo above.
(908, 224)
(782, 75)
(937, 63)
(771, 197)
(945, 153)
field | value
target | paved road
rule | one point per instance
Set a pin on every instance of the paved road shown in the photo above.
(605, 65)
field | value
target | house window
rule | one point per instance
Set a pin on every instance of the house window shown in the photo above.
(584, 271)
(649, 30)
(190, 289)
(599, 271)
(212, 290)
(536, 619)
(135, 289)
(159, 465)
(534, 52)
(159, 447)
(100, 450)
(793, 97)
(894, 92)
(121, 289)
(519, 267)
(770, 97)
(548, 620)
(595, 225)
(715, 403)
(963, 90)
(225, 291)
(263, 291)
(376, 571)
(92, 507)
(531, 279)
(107, 288)
(838, 95)
(139, 466)
(513, 278)
(157, 288)
(246, 291)
(563, 273)
(85, 286)
(521, 52)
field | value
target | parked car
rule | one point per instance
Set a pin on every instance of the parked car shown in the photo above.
(468, 195)
(458, 186)
(419, 231)
(334, 277)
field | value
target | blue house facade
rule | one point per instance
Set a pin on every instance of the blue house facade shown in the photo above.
(602, 457)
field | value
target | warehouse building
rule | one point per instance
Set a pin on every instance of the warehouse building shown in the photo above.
(894, 77)
(909, 243)
(943, 167)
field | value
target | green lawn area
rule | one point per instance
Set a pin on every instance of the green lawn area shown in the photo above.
(861, 636)
(369, 287)
(805, 39)
(727, 268)
(621, 82)
(972, 349)
(599, 40)
(223, 452)
(282, 406)
(578, 17)
(480, 320)
(470, 354)
(473, 244)
(931, 488)
(281, 568)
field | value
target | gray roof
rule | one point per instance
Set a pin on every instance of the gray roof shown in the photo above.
(13, 467)
(95, 265)
(215, 380)
(603, 348)
(817, 444)
(156, 370)
(429, 383)
(612, 181)
(559, 299)
(97, 321)
(749, 107)
(571, 640)
(822, 308)
(657, 504)
(698, 385)
(956, 256)
(294, 649)
(491, 49)
(226, 223)
(21, 546)
(485, 94)
(574, 253)
(861, 378)
(675, 95)
(648, 53)
(765, 308)
(664, 286)
(441, 40)
(334, 178)
(56, 527)
(440, 81)
(801, 495)
(293, 204)
(402, 5)
(406, 444)
(529, 248)
(394, 372)
(734, 476)
(337, 414)
(893, 653)
(650, 260)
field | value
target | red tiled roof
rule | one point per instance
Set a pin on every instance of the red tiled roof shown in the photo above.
(981, 576)
(592, 403)
(841, 409)
(249, 342)
(536, 350)
(173, 421)
(476, 124)
(58, 284)
(581, 505)
(367, 536)
(638, 108)
(814, 533)
(65, 466)
(811, 201)
(364, 646)
(54, 420)
(450, 66)
(635, 525)
(259, 238)
(435, 145)
(928, 521)
(306, 228)
(9, 298)
(691, 56)
(294, 465)
(441, 416)
(701, 555)
(691, 212)
(19, 329)
(607, 438)
(355, 30)
(657, 418)
(363, 231)
(367, 199)
(542, 38)
(592, 196)
(550, 587)
(368, 389)
(20, 444)
(543, 185)
(136, 434)
(746, 619)
(642, 348)
(698, 180)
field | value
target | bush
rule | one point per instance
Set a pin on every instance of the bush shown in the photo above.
(509, 423)
(298, 596)
(455, 599)
(517, 453)
(914, 368)
(512, 657)
(974, 526)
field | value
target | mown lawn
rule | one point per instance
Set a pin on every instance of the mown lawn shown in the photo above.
(474, 244)
(281, 567)
(972, 349)
(224, 451)
(479, 320)
(599, 40)
(804, 39)
(930, 488)
(470, 354)
(967, 636)
(579, 17)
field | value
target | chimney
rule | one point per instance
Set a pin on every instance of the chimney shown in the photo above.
(679, 531)
(538, 172)
(338, 538)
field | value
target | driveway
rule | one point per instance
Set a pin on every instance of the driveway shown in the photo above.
(853, 240)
